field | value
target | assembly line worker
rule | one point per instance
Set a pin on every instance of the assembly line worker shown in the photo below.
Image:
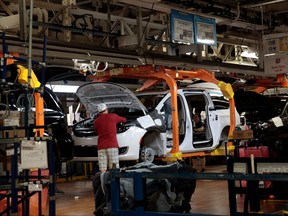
(198, 124)
(105, 126)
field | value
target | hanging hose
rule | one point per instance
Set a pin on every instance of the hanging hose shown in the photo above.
(20, 103)
(106, 66)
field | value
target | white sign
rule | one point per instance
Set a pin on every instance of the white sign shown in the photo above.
(271, 46)
(283, 44)
(35, 187)
(33, 154)
(240, 168)
(183, 31)
(277, 64)
(275, 43)
(205, 33)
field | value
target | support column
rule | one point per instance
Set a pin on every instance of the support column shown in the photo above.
(23, 23)
(66, 20)
(140, 32)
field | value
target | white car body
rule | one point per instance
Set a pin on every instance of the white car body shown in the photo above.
(146, 137)
(91, 144)
(118, 99)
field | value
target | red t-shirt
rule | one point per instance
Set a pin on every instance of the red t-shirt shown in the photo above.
(105, 125)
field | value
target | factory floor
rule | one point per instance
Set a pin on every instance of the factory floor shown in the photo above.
(210, 198)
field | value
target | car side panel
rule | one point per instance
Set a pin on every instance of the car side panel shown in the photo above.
(124, 140)
(217, 119)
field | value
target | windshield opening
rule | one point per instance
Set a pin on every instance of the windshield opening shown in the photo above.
(150, 101)
(220, 102)
(127, 112)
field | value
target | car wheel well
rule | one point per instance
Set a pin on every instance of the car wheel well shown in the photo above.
(146, 154)
(152, 139)
(224, 134)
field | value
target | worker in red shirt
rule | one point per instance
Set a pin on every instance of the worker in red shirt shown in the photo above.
(105, 126)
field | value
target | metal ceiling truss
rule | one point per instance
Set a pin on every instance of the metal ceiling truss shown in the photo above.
(117, 37)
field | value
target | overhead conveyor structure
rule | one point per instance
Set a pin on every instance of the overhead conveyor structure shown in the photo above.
(155, 74)
(262, 84)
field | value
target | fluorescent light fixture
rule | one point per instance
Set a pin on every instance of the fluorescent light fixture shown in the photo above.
(270, 54)
(63, 88)
(249, 54)
(205, 41)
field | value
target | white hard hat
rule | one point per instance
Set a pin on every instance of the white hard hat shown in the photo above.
(102, 107)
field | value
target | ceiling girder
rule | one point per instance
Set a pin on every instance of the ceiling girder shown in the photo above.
(56, 54)
(152, 35)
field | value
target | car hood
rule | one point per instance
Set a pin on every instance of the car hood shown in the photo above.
(112, 94)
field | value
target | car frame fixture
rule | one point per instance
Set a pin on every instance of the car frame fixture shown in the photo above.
(148, 146)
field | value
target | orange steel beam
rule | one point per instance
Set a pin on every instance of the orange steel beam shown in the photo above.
(147, 84)
(271, 82)
(39, 114)
(10, 60)
(280, 80)
(260, 89)
(196, 154)
(159, 73)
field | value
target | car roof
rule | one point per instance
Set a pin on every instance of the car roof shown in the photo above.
(188, 88)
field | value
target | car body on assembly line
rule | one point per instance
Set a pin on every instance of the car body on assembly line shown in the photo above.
(267, 116)
(54, 118)
(146, 135)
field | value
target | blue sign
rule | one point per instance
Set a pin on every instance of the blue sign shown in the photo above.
(205, 31)
(182, 27)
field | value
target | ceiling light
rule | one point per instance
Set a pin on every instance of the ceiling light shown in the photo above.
(270, 54)
(249, 54)
(63, 88)
(205, 41)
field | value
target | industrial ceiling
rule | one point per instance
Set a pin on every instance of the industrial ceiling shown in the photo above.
(125, 32)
